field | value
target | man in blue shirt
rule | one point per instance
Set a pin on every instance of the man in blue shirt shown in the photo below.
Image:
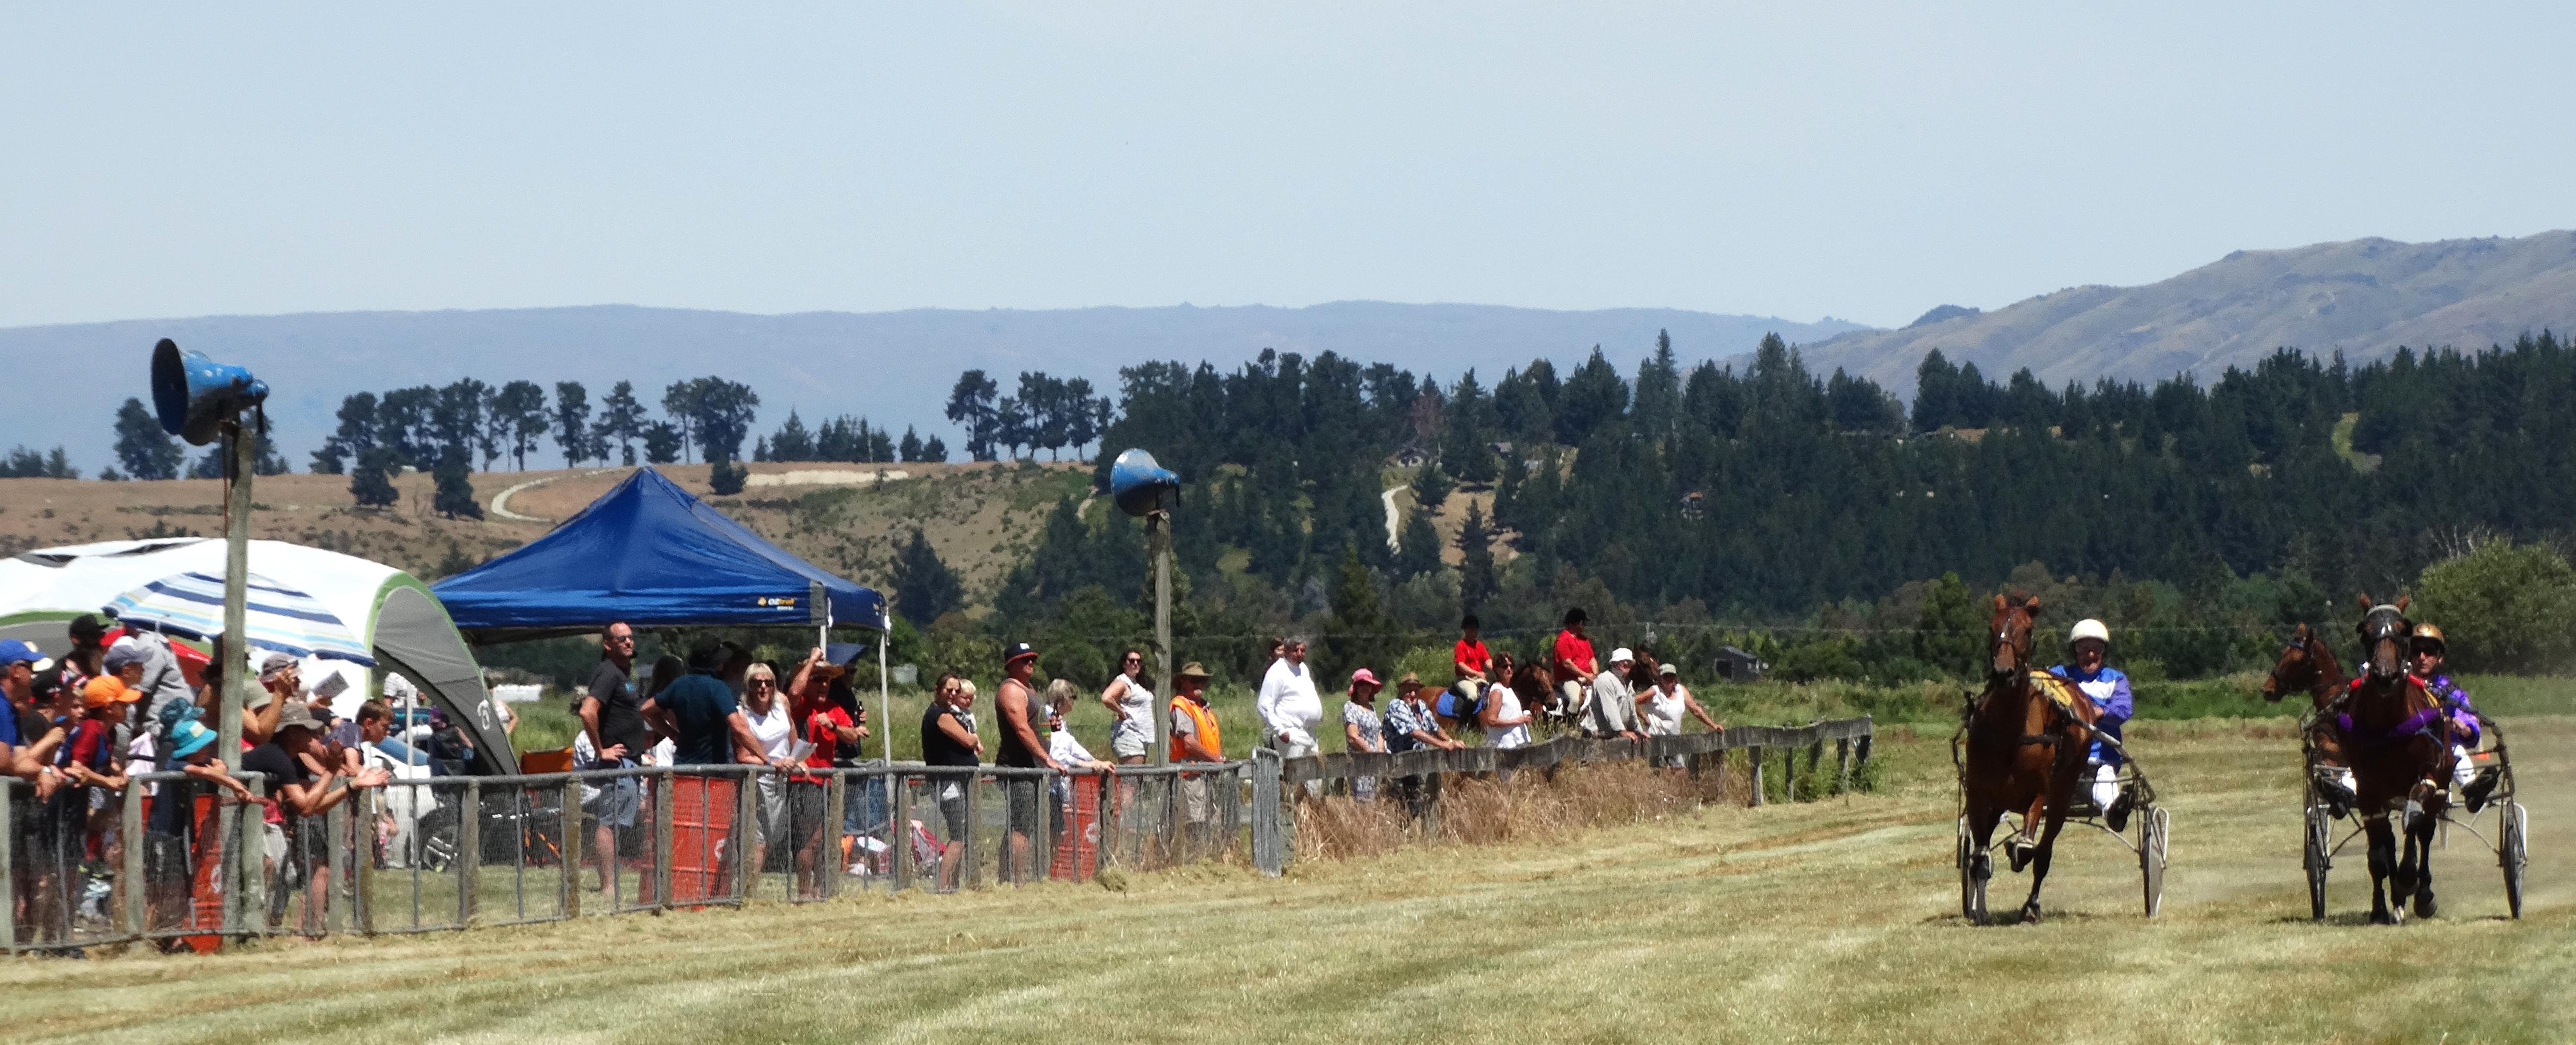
(17, 685)
(707, 726)
(2090, 642)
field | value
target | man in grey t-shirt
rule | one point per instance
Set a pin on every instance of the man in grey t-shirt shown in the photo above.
(1614, 705)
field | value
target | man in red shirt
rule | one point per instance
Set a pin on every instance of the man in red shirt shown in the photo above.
(1573, 663)
(1473, 665)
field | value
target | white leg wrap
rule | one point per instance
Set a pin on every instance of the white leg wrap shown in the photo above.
(2105, 788)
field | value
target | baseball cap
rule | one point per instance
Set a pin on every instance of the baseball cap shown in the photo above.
(108, 689)
(13, 651)
(86, 628)
(1018, 650)
(126, 651)
(1667, 669)
(275, 663)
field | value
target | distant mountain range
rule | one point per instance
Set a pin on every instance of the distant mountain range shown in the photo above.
(892, 367)
(2363, 298)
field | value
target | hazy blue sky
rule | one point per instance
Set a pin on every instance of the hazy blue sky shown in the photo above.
(1864, 161)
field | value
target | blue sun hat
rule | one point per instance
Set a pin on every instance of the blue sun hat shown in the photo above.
(189, 737)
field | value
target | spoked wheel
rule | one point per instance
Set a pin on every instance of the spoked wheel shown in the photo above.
(2155, 825)
(2509, 852)
(2318, 859)
(1972, 890)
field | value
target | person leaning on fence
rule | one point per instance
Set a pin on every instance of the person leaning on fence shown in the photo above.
(1069, 755)
(948, 739)
(1410, 726)
(17, 692)
(1506, 723)
(1571, 661)
(835, 729)
(1614, 708)
(301, 770)
(705, 720)
(1663, 704)
(773, 735)
(1363, 732)
(177, 832)
(1196, 737)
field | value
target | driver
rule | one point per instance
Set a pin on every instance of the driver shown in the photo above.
(2089, 642)
(2426, 651)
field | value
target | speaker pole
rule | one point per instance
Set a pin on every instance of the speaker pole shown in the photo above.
(236, 676)
(1158, 536)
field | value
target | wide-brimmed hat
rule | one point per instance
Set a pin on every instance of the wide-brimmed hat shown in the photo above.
(1621, 654)
(275, 663)
(1192, 670)
(189, 737)
(1366, 677)
(298, 713)
(1412, 679)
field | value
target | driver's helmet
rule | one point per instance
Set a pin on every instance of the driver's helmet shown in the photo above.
(2425, 633)
(2088, 628)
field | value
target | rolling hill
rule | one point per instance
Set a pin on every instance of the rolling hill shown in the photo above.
(2364, 298)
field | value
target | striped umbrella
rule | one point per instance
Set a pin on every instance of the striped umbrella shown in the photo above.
(281, 618)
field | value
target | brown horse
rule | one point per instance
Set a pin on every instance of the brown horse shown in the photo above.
(2025, 740)
(2309, 664)
(2399, 744)
(1536, 686)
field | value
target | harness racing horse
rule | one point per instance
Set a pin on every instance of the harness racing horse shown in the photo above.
(2308, 663)
(2025, 738)
(2399, 746)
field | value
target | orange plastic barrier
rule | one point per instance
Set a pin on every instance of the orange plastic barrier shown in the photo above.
(1077, 854)
(702, 811)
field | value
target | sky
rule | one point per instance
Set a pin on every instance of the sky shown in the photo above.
(1802, 160)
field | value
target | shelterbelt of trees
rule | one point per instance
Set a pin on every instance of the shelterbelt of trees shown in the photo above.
(1813, 519)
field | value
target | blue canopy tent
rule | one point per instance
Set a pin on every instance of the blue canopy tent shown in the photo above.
(649, 554)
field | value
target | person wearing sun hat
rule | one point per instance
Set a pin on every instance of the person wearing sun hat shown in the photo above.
(1021, 714)
(170, 836)
(1363, 730)
(1196, 737)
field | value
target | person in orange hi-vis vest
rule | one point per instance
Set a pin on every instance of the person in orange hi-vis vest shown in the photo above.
(1195, 738)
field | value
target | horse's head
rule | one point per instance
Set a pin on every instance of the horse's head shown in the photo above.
(2383, 635)
(1642, 673)
(2011, 633)
(2295, 671)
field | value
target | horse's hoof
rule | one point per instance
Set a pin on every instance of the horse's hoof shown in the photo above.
(2424, 905)
(2030, 914)
(2021, 854)
(2380, 916)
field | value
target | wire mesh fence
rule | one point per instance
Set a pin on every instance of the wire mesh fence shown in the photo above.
(176, 861)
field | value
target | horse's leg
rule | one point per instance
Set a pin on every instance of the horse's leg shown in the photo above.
(2039, 862)
(1982, 817)
(2418, 865)
(2023, 845)
(2383, 862)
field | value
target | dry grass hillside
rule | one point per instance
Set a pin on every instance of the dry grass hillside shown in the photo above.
(2363, 297)
(980, 517)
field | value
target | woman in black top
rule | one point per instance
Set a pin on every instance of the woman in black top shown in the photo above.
(948, 739)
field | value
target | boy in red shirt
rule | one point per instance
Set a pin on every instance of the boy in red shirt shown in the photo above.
(1573, 664)
(1472, 663)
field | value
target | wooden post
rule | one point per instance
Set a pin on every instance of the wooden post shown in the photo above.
(469, 854)
(129, 875)
(750, 844)
(662, 839)
(830, 865)
(336, 824)
(974, 785)
(1106, 846)
(249, 902)
(1815, 760)
(1756, 755)
(899, 829)
(1042, 833)
(569, 799)
(1158, 540)
(1842, 765)
(8, 862)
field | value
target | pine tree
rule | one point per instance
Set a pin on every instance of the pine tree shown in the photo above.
(909, 450)
(621, 418)
(454, 497)
(1418, 546)
(371, 480)
(1477, 580)
(1360, 630)
(1431, 487)
(925, 588)
(663, 443)
(934, 451)
(572, 424)
(726, 477)
(142, 447)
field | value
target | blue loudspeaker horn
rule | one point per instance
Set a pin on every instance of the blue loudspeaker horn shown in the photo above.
(1137, 483)
(195, 395)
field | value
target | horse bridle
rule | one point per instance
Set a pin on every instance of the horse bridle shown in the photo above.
(2385, 623)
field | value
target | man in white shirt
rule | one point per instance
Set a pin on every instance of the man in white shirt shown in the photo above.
(1614, 705)
(1289, 706)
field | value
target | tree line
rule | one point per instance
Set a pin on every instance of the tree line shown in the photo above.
(1812, 517)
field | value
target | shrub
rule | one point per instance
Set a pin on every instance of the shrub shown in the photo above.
(2504, 607)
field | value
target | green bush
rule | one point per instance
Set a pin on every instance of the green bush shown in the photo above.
(2504, 607)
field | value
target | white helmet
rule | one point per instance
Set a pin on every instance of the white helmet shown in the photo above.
(2088, 628)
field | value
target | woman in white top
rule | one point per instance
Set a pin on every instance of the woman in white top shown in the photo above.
(770, 725)
(1662, 705)
(1506, 725)
(1131, 705)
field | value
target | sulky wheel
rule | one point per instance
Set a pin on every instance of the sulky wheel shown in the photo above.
(2510, 840)
(2317, 859)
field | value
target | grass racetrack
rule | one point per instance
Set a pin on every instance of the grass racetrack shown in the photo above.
(1834, 920)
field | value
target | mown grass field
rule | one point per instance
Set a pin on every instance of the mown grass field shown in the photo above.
(1826, 921)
